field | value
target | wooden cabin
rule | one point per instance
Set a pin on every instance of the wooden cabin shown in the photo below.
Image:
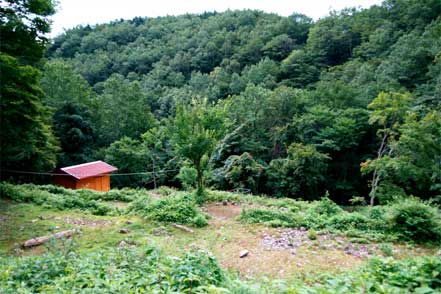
(92, 175)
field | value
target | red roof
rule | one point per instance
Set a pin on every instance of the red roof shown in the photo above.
(90, 169)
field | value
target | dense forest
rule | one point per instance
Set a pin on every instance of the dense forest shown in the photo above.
(348, 105)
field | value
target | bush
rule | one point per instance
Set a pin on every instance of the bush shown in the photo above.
(417, 221)
(347, 221)
(188, 177)
(181, 209)
(270, 217)
(326, 206)
(312, 235)
(111, 271)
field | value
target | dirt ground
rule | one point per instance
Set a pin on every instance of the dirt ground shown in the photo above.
(263, 259)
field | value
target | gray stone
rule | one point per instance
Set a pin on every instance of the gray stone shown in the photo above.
(244, 253)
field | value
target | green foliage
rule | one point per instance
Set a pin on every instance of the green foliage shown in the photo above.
(73, 128)
(181, 209)
(273, 218)
(326, 207)
(63, 199)
(132, 270)
(301, 174)
(188, 177)
(195, 131)
(417, 221)
(151, 271)
(23, 27)
(387, 249)
(312, 235)
(348, 221)
(239, 172)
(122, 110)
(26, 137)
(329, 86)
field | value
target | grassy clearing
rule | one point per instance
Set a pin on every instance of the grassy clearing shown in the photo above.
(314, 253)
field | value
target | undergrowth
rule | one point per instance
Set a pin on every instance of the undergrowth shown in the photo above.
(55, 197)
(409, 220)
(176, 208)
(148, 270)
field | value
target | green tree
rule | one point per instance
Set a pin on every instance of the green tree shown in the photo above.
(194, 132)
(240, 171)
(26, 138)
(62, 84)
(388, 111)
(122, 110)
(301, 174)
(23, 25)
(72, 126)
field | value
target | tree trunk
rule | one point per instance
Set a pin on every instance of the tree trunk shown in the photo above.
(40, 240)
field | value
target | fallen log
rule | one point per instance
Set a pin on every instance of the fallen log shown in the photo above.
(183, 228)
(40, 240)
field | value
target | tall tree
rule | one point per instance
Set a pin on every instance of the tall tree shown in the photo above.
(26, 137)
(194, 132)
(388, 111)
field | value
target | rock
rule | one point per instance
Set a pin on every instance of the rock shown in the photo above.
(244, 253)
(225, 203)
(126, 244)
(159, 232)
(235, 203)
(41, 217)
(129, 222)
(124, 231)
(34, 220)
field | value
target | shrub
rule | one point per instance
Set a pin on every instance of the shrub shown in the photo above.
(387, 249)
(312, 235)
(347, 221)
(197, 268)
(417, 221)
(188, 177)
(267, 216)
(180, 209)
(326, 206)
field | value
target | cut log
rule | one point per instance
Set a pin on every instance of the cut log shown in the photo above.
(183, 228)
(40, 240)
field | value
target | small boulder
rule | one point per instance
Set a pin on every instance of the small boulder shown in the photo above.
(124, 231)
(244, 253)
(225, 203)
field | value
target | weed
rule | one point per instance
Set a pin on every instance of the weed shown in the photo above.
(312, 235)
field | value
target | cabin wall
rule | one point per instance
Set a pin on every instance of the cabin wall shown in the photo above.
(98, 183)
(65, 181)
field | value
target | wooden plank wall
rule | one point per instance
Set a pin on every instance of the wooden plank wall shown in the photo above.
(98, 183)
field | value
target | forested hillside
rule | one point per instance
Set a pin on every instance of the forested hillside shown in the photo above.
(347, 105)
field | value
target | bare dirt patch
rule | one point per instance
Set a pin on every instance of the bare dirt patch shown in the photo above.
(223, 212)
(279, 261)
